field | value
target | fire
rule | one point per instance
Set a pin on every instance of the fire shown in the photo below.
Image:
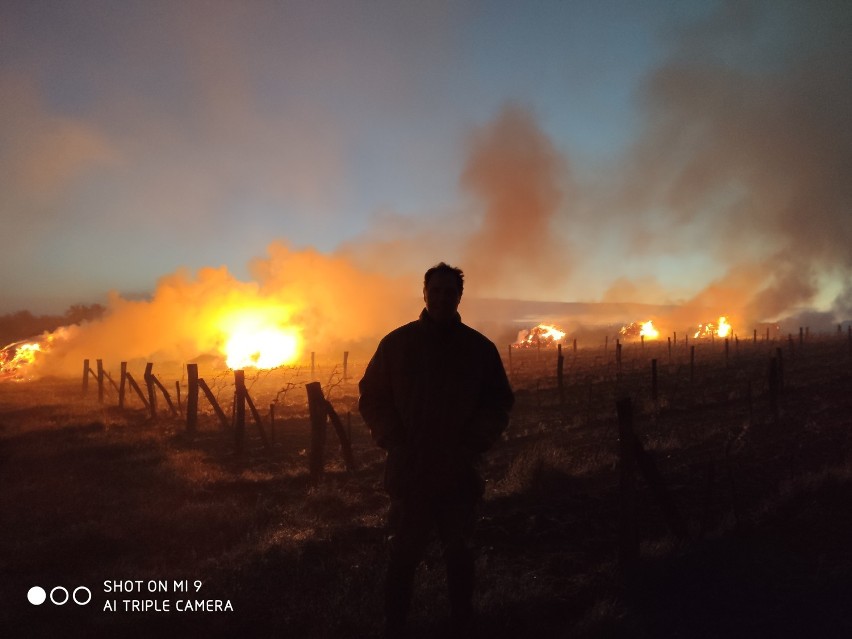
(649, 331)
(642, 329)
(541, 335)
(257, 338)
(722, 329)
(16, 357)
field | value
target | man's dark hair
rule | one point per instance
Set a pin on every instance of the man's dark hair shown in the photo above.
(445, 268)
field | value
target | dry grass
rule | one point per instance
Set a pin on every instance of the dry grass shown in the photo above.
(91, 493)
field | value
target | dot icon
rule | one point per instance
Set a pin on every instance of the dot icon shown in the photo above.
(36, 595)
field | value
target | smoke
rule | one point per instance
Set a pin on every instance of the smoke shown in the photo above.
(370, 285)
(748, 149)
(743, 160)
(330, 302)
(333, 298)
(517, 176)
(43, 154)
(505, 236)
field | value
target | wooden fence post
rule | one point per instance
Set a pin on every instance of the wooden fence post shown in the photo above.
(223, 419)
(239, 411)
(85, 376)
(345, 365)
(560, 364)
(345, 442)
(122, 384)
(137, 390)
(156, 382)
(100, 367)
(319, 415)
(192, 397)
(258, 421)
(149, 383)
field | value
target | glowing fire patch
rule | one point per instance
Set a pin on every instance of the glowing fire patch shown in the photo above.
(641, 329)
(648, 331)
(15, 358)
(257, 339)
(541, 335)
(722, 329)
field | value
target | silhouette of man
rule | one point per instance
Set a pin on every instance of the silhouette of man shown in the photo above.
(435, 396)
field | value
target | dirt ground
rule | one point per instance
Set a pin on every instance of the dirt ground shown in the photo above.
(153, 520)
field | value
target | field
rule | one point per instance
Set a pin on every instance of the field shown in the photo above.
(758, 472)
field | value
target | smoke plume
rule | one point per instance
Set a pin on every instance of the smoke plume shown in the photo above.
(330, 302)
(518, 178)
(748, 149)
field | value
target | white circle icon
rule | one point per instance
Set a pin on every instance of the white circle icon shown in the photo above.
(59, 603)
(36, 595)
(88, 597)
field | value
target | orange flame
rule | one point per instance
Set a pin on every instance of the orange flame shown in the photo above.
(649, 331)
(16, 357)
(541, 335)
(642, 329)
(259, 338)
(722, 329)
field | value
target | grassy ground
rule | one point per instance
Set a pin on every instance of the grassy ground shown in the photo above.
(93, 494)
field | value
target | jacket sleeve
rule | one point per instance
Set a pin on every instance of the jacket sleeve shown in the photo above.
(495, 403)
(376, 403)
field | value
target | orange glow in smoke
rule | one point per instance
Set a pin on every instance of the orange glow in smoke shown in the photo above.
(15, 358)
(541, 335)
(257, 338)
(722, 329)
(642, 329)
(648, 331)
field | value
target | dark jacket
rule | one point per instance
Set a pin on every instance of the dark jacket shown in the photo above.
(435, 397)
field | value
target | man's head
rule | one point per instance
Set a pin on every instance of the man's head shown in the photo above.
(442, 291)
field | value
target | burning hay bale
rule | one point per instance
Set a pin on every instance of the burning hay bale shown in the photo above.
(711, 329)
(18, 357)
(543, 335)
(640, 330)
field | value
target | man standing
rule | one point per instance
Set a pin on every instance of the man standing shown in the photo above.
(435, 396)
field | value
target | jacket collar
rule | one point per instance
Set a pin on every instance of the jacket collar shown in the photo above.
(429, 324)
